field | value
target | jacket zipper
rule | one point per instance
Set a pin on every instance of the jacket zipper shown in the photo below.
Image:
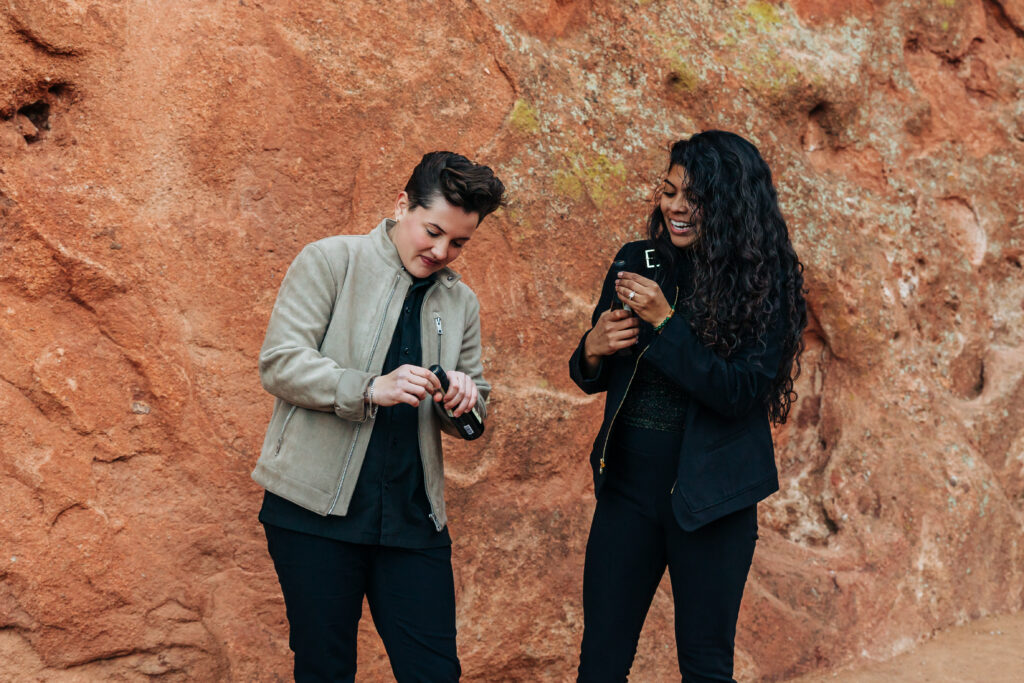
(369, 362)
(440, 330)
(604, 446)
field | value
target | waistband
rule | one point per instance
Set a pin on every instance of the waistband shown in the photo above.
(639, 439)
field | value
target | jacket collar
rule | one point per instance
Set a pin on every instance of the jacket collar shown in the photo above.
(381, 238)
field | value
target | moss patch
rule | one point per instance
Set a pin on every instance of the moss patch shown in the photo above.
(769, 72)
(764, 14)
(597, 176)
(682, 76)
(568, 185)
(524, 117)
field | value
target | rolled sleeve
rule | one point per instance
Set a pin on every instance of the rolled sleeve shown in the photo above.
(290, 364)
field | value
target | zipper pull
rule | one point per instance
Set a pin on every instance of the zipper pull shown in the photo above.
(601, 469)
(440, 331)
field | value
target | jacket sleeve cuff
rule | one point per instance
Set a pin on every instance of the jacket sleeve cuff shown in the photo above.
(577, 370)
(593, 380)
(348, 398)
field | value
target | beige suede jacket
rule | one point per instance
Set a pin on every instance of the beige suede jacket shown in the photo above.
(328, 335)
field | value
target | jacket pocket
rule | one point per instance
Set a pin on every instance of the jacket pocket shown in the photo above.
(727, 440)
(715, 475)
(280, 437)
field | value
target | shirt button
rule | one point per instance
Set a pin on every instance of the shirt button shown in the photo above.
(406, 350)
(408, 310)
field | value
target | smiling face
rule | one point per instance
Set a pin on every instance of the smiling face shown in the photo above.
(429, 238)
(681, 220)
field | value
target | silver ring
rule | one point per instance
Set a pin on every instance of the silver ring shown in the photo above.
(632, 295)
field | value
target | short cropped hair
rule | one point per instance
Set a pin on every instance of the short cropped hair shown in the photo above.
(472, 187)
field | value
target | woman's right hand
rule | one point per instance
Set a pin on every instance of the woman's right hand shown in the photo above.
(405, 384)
(615, 329)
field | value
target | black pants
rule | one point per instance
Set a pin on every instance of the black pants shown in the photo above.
(633, 538)
(411, 594)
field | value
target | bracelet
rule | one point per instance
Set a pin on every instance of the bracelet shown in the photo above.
(661, 325)
(368, 395)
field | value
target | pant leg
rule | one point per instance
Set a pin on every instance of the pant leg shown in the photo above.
(323, 582)
(625, 561)
(709, 569)
(412, 599)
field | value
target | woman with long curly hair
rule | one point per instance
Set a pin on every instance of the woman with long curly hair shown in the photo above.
(695, 338)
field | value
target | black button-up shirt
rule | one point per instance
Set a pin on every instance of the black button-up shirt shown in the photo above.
(389, 505)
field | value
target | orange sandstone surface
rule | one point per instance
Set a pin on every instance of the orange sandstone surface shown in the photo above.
(161, 163)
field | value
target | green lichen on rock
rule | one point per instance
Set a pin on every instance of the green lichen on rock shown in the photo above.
(602, 178)
(597, 176)
(764, 14)
(681, 74)
(524, 117)
(568, 185)
(766, 70)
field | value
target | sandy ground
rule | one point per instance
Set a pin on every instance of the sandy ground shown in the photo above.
(989, 650)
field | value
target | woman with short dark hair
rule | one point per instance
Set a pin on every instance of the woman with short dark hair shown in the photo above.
(351, 462)
(695, 339)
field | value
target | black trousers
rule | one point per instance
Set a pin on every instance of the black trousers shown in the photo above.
(634, 536)
(411, 594)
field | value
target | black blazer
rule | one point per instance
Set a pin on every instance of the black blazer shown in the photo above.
(726, 461)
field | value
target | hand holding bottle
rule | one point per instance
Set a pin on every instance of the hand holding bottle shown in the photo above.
(405, 384)
(643, 295)
(466, 420)
(461, 395)
(615, 329)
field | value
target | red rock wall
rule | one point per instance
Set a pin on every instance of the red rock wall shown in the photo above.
(162, 162)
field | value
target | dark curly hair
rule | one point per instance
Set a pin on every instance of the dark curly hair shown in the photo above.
(746, 274)
(470, 186)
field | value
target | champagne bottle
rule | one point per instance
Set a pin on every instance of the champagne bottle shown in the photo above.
(469, 424)
(618, 266)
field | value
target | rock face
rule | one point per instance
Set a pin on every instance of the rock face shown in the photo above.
(162, 163)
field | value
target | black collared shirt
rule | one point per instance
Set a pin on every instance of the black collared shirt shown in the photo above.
(389, 505)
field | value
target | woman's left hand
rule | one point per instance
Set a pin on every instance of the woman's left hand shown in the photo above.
(643, 295)
(462, 393)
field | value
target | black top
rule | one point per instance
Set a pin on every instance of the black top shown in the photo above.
(726, 459)
(389, 505)
(654, 401)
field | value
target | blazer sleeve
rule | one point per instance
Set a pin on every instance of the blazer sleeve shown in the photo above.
(290, 364)
(599, 381)
(470, 364)
(730, 386)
